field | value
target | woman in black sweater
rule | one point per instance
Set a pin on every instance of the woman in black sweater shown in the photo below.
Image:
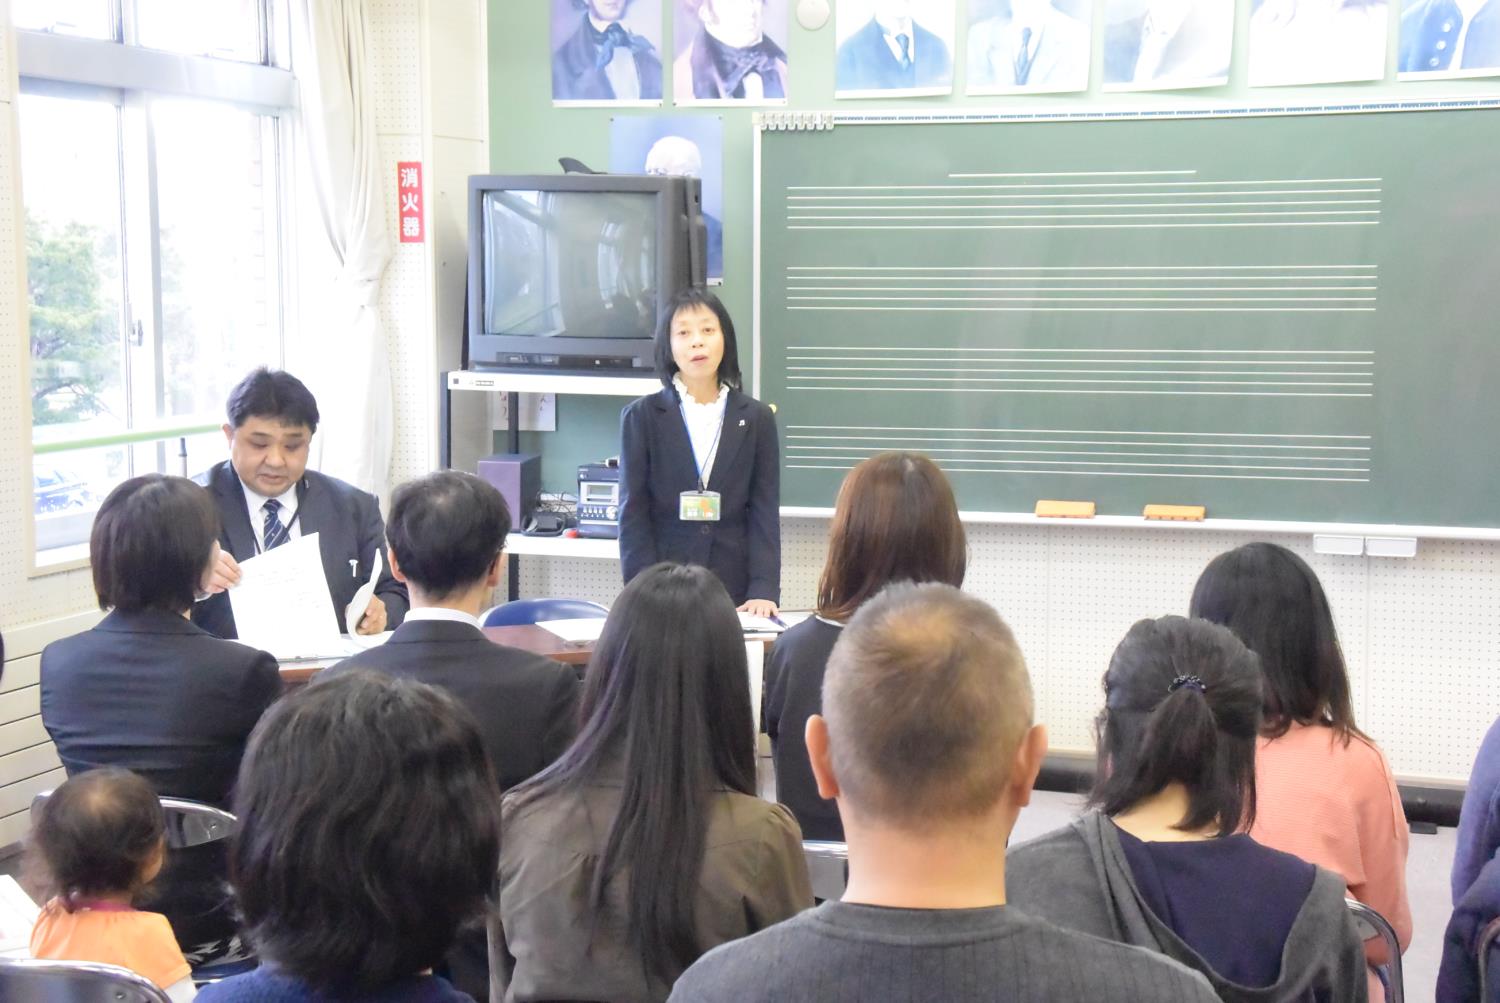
(895, 520)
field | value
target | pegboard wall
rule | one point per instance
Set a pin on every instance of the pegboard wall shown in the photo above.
(1421, 636)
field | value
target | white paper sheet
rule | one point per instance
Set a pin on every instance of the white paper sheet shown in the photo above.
(17, 916)
(361, 601)
(759, 625)
(282, 604)
(580, 631)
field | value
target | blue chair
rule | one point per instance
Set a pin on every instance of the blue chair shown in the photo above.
(520, 612)
(1486, 945)
(1371, 926)
(827, 867)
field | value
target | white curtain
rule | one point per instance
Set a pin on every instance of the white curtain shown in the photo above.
(352, 375)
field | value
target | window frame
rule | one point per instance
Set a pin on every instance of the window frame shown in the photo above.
(130, 77)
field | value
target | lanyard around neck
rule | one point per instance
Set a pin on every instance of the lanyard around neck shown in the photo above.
(713, 448)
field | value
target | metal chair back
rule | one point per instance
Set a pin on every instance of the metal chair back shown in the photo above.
(1486, 945)
(33, 981)
(520, 612)
(1372, 925)
(188, 823)
(827, 867)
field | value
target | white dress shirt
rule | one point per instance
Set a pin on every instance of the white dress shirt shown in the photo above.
(256, 504)
(704, 423)
(441, 613)
(899, 27)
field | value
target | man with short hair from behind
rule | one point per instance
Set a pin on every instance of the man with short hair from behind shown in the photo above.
(446, 537)
(927, 744)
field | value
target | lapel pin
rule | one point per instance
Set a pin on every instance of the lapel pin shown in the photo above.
(742, 423)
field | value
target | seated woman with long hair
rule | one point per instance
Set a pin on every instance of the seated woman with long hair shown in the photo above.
(1162, 861)
(1325, 791)
(645, 845)
(369, 835)
(895, 520)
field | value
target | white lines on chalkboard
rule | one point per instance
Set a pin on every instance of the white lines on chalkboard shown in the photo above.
(1104, 473)
(1084, 195)
(1086, 226)
(1071, 174)
(1240, 455)
(1228, 436)
(1080, 289)
(950, 207)
(1093, 184)
(1090, 372)
(1279, 214)
(1086, 299)
(926, 308)
(948, 388)
(1047, 268)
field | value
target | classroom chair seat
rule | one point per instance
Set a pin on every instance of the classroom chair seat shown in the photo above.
(1371, 925)
(1484, 950)
(33, 981)
(520, 612)
(827, 867)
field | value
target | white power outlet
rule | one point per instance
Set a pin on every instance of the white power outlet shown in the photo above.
(538, 412)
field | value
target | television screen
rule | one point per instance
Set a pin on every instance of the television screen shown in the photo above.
(570, 263)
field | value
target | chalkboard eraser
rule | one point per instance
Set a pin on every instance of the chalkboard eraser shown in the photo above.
(1176, 513)
(1065, 509)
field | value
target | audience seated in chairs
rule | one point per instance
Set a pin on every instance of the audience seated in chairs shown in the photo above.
(1163, 862)
(645, 845)
(148, 691)
(1324, 790)
(446, 532)
(1478, 907)
(369, 834)
(895, 520)
(927, 744)
(97, 842)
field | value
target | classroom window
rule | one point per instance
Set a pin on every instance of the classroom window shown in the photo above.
(84, 18)
(153, 226)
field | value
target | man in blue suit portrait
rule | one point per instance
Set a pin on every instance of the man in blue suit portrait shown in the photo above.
(603, 60)
(893, 52)
(1440, 36)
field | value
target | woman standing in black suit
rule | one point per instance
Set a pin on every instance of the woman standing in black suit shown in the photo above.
(700, 462)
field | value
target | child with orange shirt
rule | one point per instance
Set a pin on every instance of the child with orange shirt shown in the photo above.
(99, 841)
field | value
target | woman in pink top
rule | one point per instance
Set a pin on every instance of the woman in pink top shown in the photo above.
(1323, 790)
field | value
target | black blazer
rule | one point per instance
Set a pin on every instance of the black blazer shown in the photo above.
(793, 692)
(656, 459)
(526, 705)
(153, 693)
(347, 521)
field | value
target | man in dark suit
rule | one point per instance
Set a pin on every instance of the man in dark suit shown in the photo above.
(730, 57)
(266, 496)
(447, 533)
(893, 52)
(603, 60)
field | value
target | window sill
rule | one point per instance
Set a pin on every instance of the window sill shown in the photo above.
(56, 560)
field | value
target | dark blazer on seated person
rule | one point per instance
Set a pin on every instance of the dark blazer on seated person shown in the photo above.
(1458, 977)
(1081, 877)
(656, 458)
(526, 705)
(150, 692)
(349, 527)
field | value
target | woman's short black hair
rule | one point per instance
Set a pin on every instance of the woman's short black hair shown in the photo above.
(152, 541)
(1181, 703)
(274, 394)
(689, 299)
(1274, 602)
(667, 698)
(96, 835)
(369, 830)
(446, 529)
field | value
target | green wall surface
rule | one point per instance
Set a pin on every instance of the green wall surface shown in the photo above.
(528, 135)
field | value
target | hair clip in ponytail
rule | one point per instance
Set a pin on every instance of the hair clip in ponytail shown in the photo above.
(1191, 681)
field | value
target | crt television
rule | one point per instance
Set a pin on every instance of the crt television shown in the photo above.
(569, 273)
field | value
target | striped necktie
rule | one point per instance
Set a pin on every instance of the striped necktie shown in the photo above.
(274, 533)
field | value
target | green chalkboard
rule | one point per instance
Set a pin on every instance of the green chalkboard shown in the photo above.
(1287, 316)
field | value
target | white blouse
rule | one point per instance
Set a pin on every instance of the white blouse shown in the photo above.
(704, 424)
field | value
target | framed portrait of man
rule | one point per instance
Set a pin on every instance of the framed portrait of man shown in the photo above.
(1028, 46)
(606, 52)
(680, 146)
(1317, 41)
(1445, 39)
(894, 48)
(1167, 44)
(730, 52)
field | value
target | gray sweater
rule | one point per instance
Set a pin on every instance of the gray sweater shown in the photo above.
(840, 952)
(1079, 877)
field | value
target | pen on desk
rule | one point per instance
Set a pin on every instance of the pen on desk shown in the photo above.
(777, 621)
